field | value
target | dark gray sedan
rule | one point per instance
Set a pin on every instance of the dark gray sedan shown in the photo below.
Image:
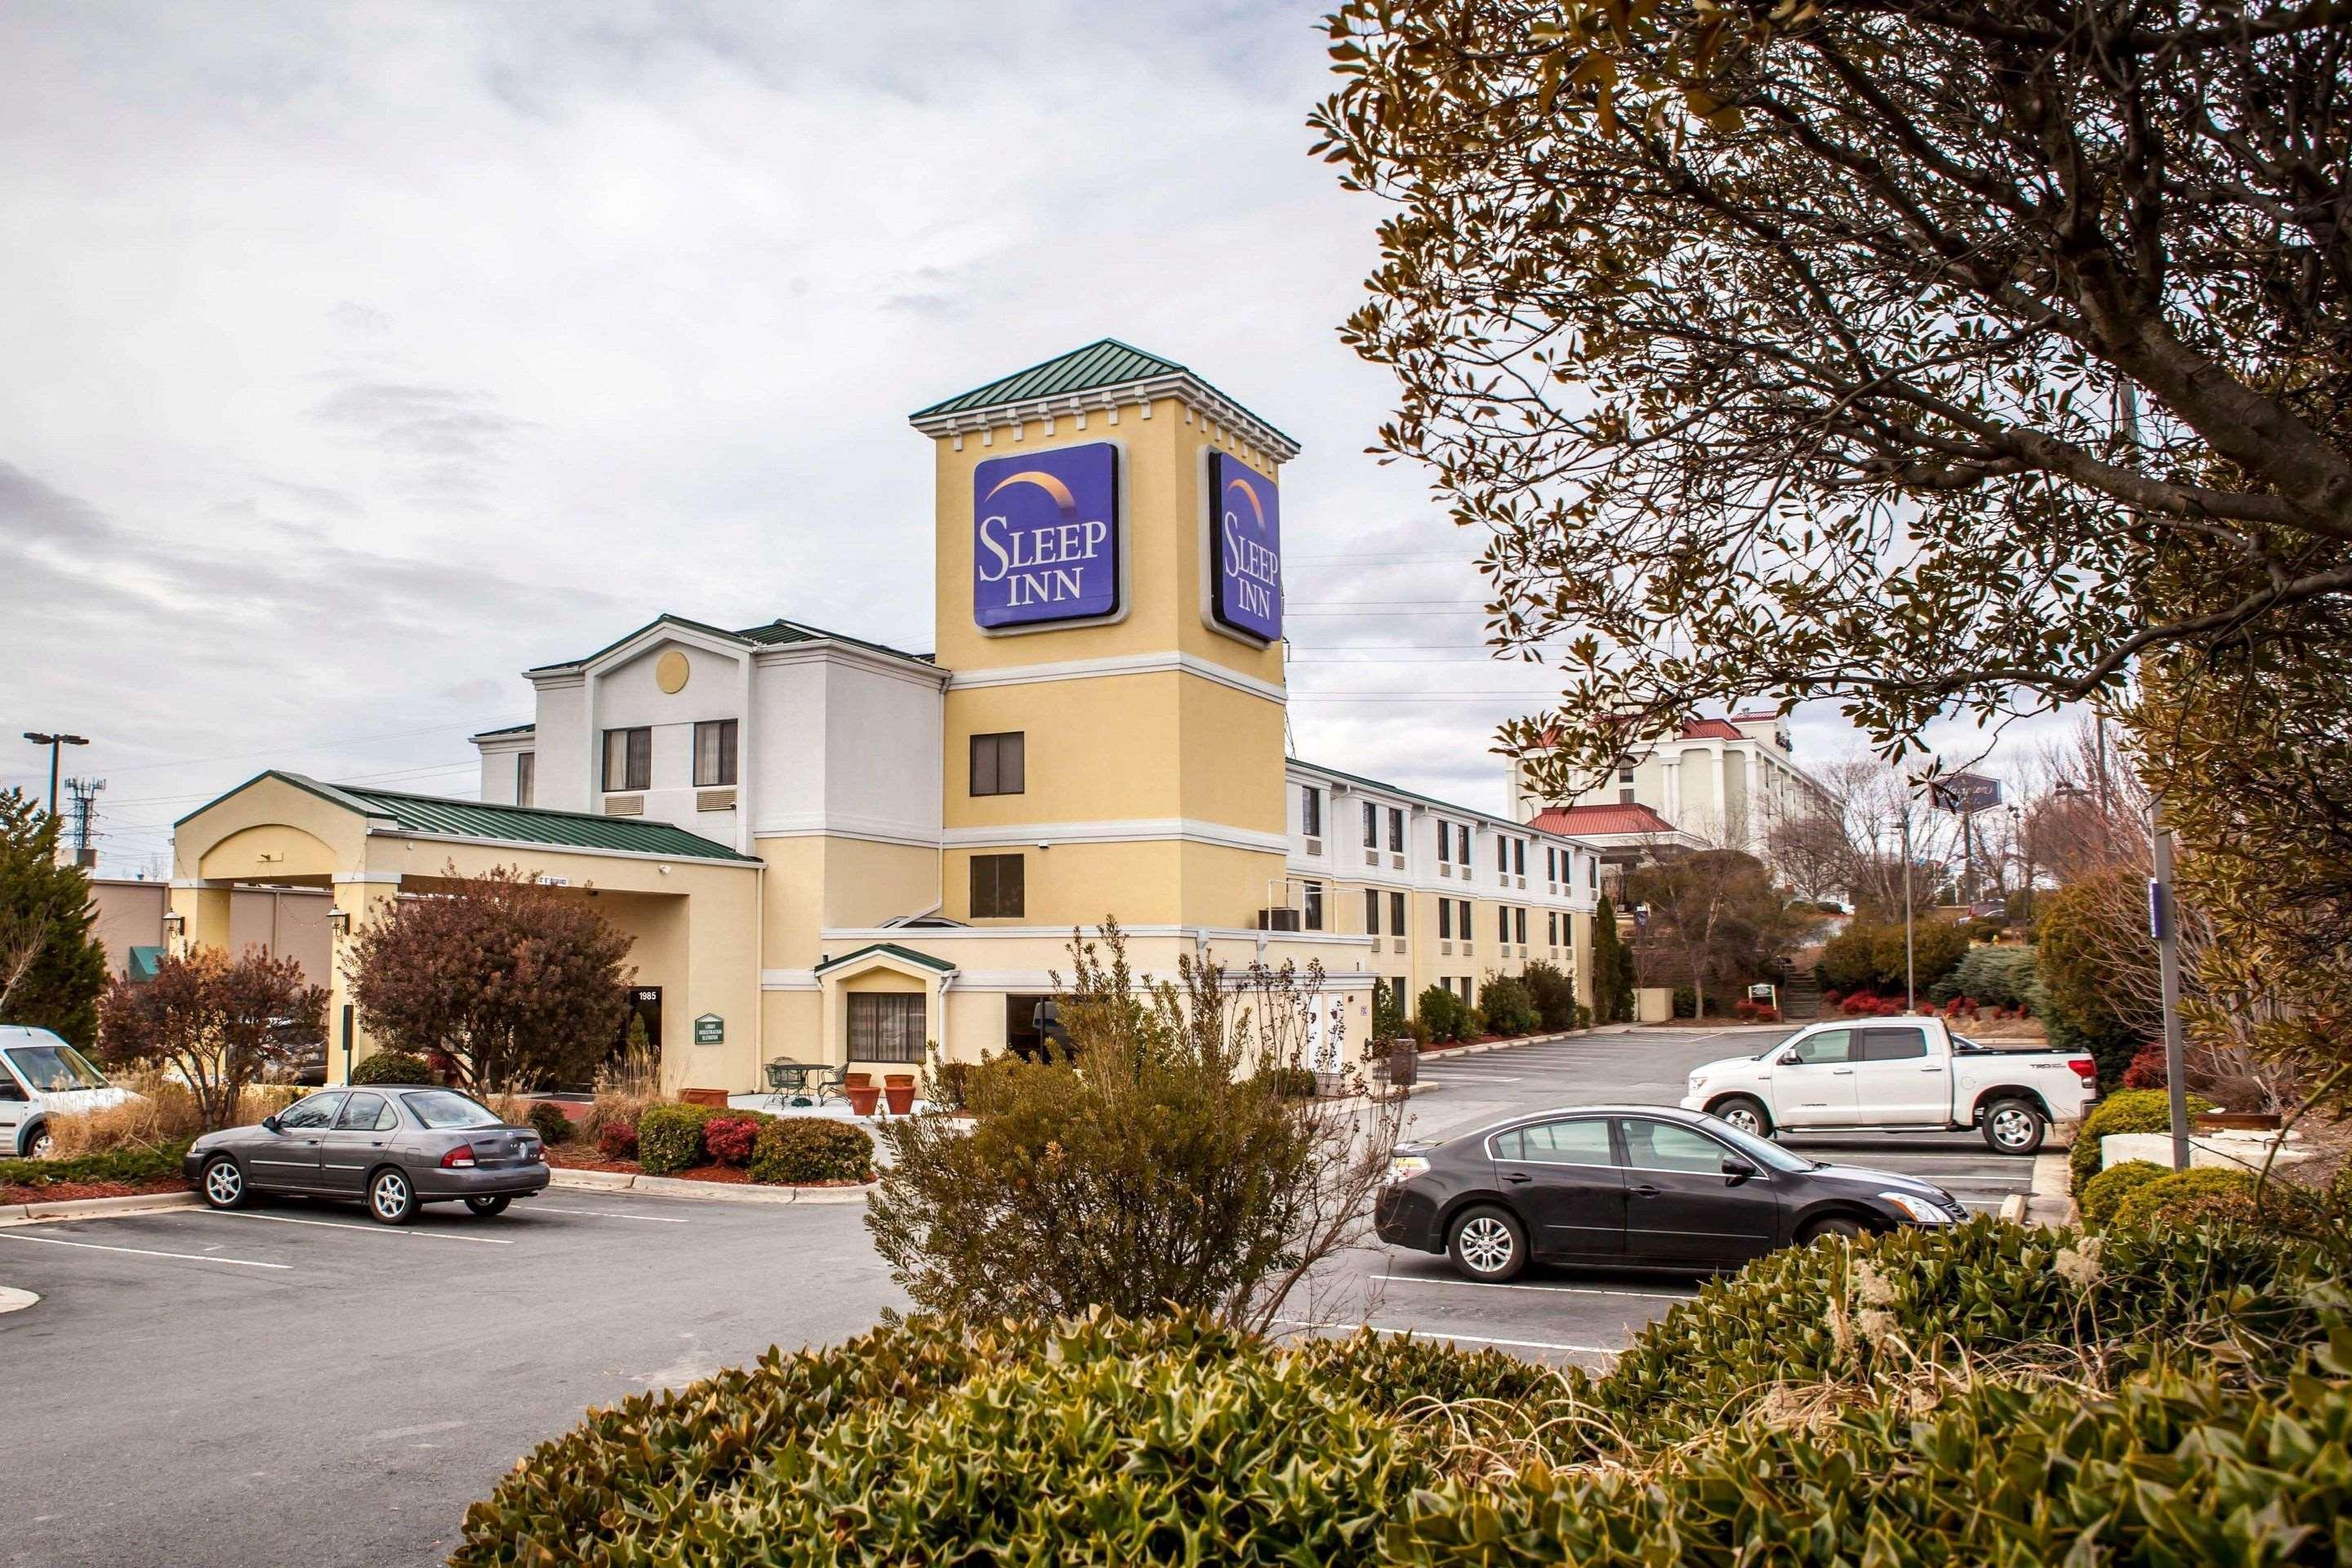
(1632, 1184)
(397, 1146)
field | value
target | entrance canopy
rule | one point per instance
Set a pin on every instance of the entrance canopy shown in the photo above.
(690, 904)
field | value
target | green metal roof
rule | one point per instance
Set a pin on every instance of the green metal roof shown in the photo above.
(768, 633)
(437, 815)
(145, 962)
(894, 949)
(1106, 362)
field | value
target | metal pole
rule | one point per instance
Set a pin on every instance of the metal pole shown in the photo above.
(2164, 929)
(55, 745)
(1910, 964)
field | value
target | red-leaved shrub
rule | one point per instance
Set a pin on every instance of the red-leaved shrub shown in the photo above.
(730, 1139)
(2146, 1069)
(618, 1140)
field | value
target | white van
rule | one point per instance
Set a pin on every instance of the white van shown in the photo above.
(41, 1077)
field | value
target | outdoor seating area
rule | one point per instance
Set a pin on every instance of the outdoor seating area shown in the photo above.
(820, 1089)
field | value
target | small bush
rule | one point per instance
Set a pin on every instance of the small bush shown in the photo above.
(2129, 1110)
(1555, 996)
(2103, 1192)
(730, 1139)
(393, 1066)
(2148, 1068)
(1994, 976)
(669, 1138)
(1445, 1015)
(1748, 1012)
(2200, 1194)
(553, 1127)
(1292, 1083)
(1509, 1007)
(949, 1084)
(129, 1163)
(617, 1140)
(803, 1151)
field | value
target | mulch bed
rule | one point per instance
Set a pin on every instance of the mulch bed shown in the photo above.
(70, 1192)
(725, 1176)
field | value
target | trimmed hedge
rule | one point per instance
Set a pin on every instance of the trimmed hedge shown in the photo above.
(801, 1151)
(669, 1138)
(2128, 1111)
(2196, 1195)
(2103, 1192)
(130, 1163)
(393, 1066)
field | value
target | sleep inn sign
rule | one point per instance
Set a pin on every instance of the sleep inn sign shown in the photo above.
(1046, 538)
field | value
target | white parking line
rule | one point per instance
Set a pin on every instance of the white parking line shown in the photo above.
(139, 1251)
(612, 1214)
(365, 1229)
(1547, 1289)
(1428, 1333)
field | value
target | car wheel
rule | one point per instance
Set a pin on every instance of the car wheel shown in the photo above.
(39, 1145)
(1836, 1225)
(485, 1208)
(1747, 1114)
(224, 1183)
(392, 1198)
(1488, 1245)
(2013, 1127)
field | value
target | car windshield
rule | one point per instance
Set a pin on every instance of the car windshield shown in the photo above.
(448, 1107)
(51, 1069)
(1764, 1153)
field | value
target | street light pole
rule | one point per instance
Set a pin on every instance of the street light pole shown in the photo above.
(1910, 964)
(53, 743)
(2164, 927)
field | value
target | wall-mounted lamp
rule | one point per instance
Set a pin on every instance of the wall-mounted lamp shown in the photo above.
(174, 923)
(339, 921)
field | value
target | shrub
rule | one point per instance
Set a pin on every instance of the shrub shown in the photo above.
(729, 1138)
(617, 1140)
(131, 1163)
(1508, 1006)
(949, 1084)
(2103, 1192)
(2194, 1196)
(803, 1151)
(1748, 1012)
(2129, 1110)
(553, 1127)
(669, 1138)
(1868, 955)
(1994, 976)
(1554, 994)
(1445, 1015)
(2148, 1068)
(393, 1066)
(1292, 1082)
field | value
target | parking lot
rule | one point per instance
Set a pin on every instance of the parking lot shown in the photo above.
(299, 1385)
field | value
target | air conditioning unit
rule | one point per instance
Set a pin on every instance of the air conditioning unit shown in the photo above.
(1372, 858)
(1446, 949)
(1399, 942)
(1314, 846)
(714, 799)
(1376, 945)
(1396, 862)
(624, 806)
(1446, 870)
(1283, 919)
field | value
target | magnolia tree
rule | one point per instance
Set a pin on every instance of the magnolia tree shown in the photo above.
(216, 1022)
(1175, 1158)
(507, 981)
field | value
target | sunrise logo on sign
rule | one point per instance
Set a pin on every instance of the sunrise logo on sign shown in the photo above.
(1045, 537)
(1247, 515)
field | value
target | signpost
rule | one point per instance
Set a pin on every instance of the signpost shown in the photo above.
(710, 1029)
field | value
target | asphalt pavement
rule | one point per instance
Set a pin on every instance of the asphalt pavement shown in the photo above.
(299, 1385)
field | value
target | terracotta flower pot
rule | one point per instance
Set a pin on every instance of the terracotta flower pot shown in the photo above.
(857, 1081)
(898, 1088)
(862, 1097)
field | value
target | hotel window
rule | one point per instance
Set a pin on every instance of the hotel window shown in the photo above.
(526, 777)
(1371, 911)
(1505, 922)
(997, 886)
(1396, 830)
(1592, 872)
(1463, 842)
(1518, 856)
(999, 764)
(1396, 914)
(1444, 845)
(1551, 927)
(1445, 920)
(1371, 826)
(1310, 810)
(1522, 924)
(714, 752)
(628, 758)
(1311, 917)
(1625, 785)
(885, 1027)
(1462, 917)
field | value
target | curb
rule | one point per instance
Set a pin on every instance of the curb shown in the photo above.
(2050, 1201)
(708, 1192)
(15, 1301)
(96, 1208)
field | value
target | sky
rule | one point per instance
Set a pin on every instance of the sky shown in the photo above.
(355, 358)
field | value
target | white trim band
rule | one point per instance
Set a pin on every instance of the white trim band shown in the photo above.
(1135, 830)
(1122, 664)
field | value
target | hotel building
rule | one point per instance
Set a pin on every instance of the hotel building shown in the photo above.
(829, 850)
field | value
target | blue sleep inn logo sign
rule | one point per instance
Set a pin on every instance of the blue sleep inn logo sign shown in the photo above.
(1045, 543)
(1247, 518)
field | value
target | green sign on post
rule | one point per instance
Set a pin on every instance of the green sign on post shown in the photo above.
(710, 1029)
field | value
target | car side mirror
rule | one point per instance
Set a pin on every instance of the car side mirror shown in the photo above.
(1737, 1170)
(1790, 1060)
(270, 1123)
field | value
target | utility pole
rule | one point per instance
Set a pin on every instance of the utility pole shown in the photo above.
(53, 743)
(2164, 927)
(84, 794)
(1910, 961)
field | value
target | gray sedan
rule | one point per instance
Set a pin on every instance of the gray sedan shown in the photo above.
(398, 1146)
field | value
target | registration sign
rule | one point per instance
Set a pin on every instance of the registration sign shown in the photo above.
(710, 1029)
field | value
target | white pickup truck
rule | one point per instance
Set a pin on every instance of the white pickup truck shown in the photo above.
(1897, 1074)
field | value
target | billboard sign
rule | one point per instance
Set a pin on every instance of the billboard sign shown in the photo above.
(1967, 793)
(1045, 537)
(1245, 517)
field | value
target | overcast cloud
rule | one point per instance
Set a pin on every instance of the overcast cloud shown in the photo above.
(354, 358)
